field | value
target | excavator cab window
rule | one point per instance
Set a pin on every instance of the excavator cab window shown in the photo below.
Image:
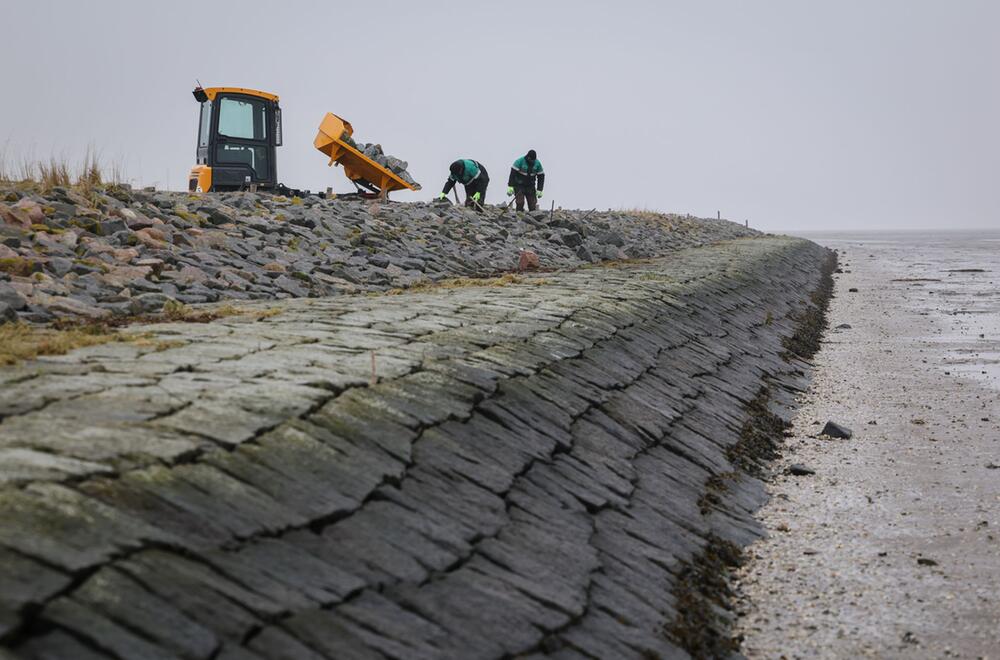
(205, 124)
(244, 119)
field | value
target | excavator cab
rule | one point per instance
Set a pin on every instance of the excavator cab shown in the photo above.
(239, 131)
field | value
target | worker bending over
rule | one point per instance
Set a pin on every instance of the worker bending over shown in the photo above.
(473, 176)
(521, 182)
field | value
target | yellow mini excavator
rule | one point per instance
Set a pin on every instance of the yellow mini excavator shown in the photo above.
(238, 135)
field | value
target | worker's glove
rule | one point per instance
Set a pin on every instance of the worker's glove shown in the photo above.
(538, 194)
(477, 197)
(442, 196)
(510, 191)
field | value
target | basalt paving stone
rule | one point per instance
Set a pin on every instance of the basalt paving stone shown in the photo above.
(87, 623)
(197, 505)
(386, 627)
(378, 441)
(34, 393)
(278, 644)
(165, 572)
(560, 392)
(235, 652)
(522, 360)
(461, 456)
(455, 504)
(376, 525)
(56, 645)
(25, 583)
(212, 420)
(43, 522)
(293, 566)
(523, 479)
(314, 634)
(23, 466)
(484, 617)
(482, 379)
(196, 599)
(304, 474)
(123, 601)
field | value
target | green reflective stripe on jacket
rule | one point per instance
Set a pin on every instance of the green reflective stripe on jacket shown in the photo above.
(521, 166)
(470, 173)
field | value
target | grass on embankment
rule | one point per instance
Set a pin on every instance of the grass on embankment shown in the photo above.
(21, 341)
(43, 175)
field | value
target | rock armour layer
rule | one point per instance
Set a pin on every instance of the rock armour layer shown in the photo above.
(526, 474)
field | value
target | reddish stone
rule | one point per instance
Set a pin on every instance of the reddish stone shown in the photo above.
(528, 261)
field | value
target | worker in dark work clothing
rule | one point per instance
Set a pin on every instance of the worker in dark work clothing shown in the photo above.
(473, 176)
(524, 173)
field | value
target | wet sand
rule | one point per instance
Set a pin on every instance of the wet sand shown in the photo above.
(892, 549)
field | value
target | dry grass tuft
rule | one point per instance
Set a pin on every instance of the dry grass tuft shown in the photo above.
(20, 341)
(173, 312)
(87, 177)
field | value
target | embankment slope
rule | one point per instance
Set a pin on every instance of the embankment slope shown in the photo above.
(474, 472)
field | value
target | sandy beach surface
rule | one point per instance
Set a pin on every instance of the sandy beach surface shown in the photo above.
(892, 548)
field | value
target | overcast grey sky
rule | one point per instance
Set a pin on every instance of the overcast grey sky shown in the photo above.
(794, 114)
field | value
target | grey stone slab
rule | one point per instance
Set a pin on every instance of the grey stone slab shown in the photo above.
(10, 621)
(304, 474)
(483, 379)
(196, 585)
(366, 426)
(56, 645)
(390, 629)
(226, 424)
(136, 495)
(604, 637)
(245, 509)
(63, 528)
(277, 644)
(194, 593)
(453, 504)
(27, 583)
(18, 466)
(101, 632)
(305, 573)
(21, 397)
(118, 445)
(552, 567)
(235, 652)
(485, 617)
(330, 638)
(122, 600)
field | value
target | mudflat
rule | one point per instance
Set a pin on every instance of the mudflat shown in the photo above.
(892, 547)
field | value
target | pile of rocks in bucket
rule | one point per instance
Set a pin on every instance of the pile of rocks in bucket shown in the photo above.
(120, 252)
(393, 164)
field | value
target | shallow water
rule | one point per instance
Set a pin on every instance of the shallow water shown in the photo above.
(955, 277)
(891, 548)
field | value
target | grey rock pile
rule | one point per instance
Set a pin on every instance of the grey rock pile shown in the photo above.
(121, 252)
(393, 164)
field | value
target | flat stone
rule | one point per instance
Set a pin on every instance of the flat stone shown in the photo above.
(63, 528)
(835, 430)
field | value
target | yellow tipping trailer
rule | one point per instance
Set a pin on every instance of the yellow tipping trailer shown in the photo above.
(359, 168)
